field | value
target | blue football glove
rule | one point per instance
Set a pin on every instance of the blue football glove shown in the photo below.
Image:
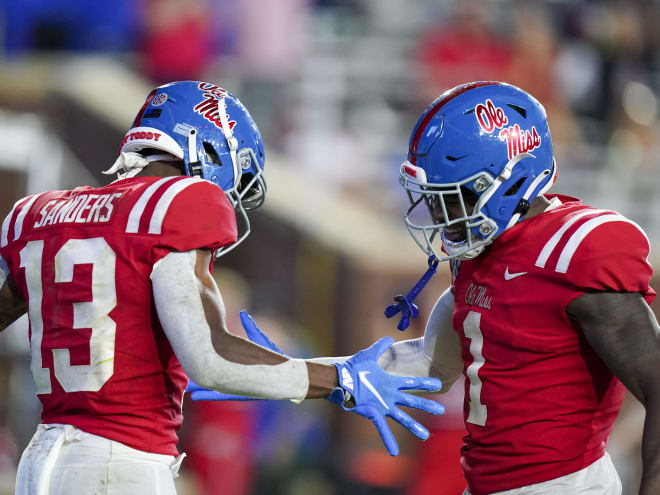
(200, 393)
(256, 336)
(377, 393)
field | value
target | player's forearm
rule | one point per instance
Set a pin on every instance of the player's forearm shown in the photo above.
(8, 317)
(322, 377)
(409, 358)
(229, 364)
(261, 374)
(12, 304)
(322, 380)
(651, 447)
(623, 331)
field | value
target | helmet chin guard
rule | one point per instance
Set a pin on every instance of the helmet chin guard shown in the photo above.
(485, 149)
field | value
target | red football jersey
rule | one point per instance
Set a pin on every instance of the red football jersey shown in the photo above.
(539, 402)
(83, 259)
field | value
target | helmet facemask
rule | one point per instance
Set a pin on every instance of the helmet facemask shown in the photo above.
(446, 220)
(248, 194)
(479, 226)
(477, 158)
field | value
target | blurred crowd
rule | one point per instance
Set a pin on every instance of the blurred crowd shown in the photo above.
(335, 87)
(594, 65)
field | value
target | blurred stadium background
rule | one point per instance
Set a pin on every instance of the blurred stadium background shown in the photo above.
(335, 87)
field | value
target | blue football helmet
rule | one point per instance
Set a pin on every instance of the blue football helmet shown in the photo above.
(214, 135)
(484, 144)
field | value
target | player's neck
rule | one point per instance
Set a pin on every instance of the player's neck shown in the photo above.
(538, 206)
(162, 169)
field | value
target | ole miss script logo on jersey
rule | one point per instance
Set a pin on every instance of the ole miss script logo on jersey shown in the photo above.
(477, 295)
(517, 140)
(208, 107)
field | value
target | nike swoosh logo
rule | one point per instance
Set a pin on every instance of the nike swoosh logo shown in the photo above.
(509, 276)
(372, 389)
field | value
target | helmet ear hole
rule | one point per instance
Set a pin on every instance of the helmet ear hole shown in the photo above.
(514, 188)
(211, 154)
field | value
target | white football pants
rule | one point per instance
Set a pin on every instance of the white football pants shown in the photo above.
(599, 478)
(63, 460)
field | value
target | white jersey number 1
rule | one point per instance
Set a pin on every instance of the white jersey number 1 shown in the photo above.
(472, 329)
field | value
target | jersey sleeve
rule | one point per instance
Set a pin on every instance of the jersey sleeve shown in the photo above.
(199, 216)
(12, 225)
(610, 256)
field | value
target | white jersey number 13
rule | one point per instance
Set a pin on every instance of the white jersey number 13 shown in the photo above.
(91, 314)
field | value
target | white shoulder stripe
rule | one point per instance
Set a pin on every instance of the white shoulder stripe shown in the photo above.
(164, 202)
(554, 240)
(133, 223)
(18, 226)
(5, 224)
(584, 230)
(4, 239)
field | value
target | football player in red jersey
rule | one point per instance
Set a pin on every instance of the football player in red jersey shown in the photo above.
(547, 316)
(123, 308)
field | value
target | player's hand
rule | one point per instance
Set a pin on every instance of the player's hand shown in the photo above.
(377, 393)
(256, 336)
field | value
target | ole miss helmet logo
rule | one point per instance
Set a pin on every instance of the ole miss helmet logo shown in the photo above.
(208, 107)
(517, 140)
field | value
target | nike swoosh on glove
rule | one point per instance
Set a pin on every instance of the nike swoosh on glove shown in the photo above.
(256, 336)
(377, 393)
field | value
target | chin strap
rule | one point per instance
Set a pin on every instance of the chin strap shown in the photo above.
(404, 304)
